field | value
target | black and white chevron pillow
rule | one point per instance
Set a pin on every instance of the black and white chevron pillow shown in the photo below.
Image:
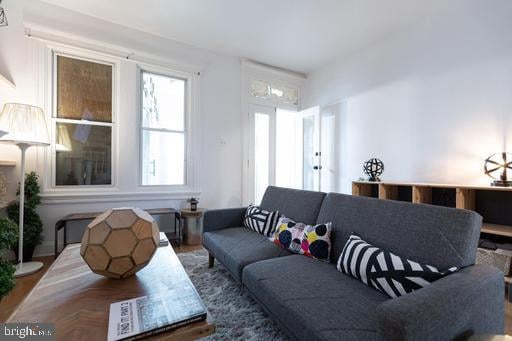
(261, 221)
(385, 271)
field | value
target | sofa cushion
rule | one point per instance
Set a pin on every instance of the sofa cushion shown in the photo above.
(385, 271)
(296, 204)
(309, 240)
(313, 301)
(236, 247)
(439, 236)
(261, 221)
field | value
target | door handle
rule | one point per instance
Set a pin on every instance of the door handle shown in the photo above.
(317, 167)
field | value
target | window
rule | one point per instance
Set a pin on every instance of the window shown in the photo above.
(82, 122)
(163, 129)
(266, 90)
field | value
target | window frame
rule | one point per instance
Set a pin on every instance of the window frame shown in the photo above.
(190, 97)
(94, 58)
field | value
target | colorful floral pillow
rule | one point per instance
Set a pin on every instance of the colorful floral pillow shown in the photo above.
(308, 240)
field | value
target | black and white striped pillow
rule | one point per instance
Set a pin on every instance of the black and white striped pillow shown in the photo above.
(261, 221)
(385, 271)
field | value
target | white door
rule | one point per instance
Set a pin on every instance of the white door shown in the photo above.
(262, 150)
(311, 155)
(330, 147)
(284, 150)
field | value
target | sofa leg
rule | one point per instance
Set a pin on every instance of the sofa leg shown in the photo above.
(211, 260)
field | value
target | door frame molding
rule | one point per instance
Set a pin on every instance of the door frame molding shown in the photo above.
(249, 71)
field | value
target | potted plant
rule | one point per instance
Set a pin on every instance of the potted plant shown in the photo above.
(8, 233)
(32, 224)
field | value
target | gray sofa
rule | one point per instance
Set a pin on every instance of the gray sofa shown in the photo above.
(311, 300)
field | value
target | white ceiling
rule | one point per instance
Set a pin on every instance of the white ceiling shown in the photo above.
(299, 35)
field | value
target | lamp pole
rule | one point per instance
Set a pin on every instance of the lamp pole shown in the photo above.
(30, 267)
(23, 147)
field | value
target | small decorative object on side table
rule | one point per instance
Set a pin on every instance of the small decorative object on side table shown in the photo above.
(496, 166)
(193, 204)
(192, 226)
(120, 242)
(373, 168)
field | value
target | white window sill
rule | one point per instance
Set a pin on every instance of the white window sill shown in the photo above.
(111, 196)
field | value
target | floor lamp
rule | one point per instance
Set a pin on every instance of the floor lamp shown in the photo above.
(25, 126)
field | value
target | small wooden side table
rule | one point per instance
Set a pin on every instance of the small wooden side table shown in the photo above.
(192, 226)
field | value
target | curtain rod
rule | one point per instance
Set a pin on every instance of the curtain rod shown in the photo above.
(109, 50)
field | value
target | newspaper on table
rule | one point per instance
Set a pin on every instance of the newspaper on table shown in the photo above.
(143, 316)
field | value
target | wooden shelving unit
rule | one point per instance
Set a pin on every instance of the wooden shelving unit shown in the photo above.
(497, 229)
(493, 203)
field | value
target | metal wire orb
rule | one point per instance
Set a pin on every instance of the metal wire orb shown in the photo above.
(496, 166)
(373, 168)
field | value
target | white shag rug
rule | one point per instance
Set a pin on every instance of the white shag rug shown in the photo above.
(237, 316)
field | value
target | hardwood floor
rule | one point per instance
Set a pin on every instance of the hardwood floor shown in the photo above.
(508, 318)
(24, 284)
(186, 248)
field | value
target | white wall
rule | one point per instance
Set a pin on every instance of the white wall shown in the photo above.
(218, 153)
(432, 102)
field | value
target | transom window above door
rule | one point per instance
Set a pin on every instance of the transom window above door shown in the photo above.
(278, 93)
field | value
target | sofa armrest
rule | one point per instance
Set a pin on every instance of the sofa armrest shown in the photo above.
(223, 218)
(470, 301)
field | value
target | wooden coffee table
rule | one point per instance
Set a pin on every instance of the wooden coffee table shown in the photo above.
(77, 301)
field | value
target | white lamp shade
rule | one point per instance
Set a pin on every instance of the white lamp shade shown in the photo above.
(24, 124)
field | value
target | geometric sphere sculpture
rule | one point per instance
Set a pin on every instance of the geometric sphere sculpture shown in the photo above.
(373, 168)
(120, 242)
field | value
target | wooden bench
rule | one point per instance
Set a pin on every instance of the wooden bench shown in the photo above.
(63, 224)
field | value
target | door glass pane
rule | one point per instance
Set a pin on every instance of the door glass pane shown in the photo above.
(163, 102)
(83, 154)
(288, 149)
(261, 155)
(84, 90)
(163, 158)
(308, 152)
(328, 145)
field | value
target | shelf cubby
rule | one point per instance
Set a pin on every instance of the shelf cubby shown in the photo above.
(395, 192)
(365, 189)
(444, 196)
